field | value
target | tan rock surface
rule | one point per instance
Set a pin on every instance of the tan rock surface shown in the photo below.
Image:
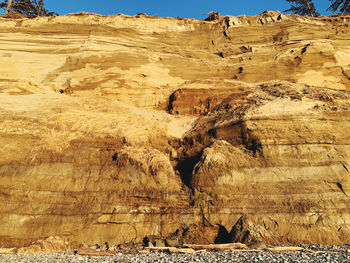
(278, 154)
(90, 153)
(49, 245)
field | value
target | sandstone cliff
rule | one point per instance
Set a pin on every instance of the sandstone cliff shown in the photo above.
(117, 128)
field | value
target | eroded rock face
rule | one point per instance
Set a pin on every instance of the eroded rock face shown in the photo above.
(278, 154)
(117, 128)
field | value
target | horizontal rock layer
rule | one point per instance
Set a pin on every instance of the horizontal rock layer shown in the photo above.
(279, 155)
(117, 128)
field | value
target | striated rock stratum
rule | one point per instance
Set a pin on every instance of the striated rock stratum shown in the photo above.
(123, 129)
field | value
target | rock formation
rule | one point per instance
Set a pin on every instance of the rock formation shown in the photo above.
(117, 128)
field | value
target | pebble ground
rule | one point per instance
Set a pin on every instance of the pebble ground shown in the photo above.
(325, 254)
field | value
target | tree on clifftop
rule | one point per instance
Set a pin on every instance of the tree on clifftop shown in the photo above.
(302, 7)
(343, 5)
(8, 7)
(30, 8)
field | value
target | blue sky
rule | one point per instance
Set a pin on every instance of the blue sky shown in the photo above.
(183, 8)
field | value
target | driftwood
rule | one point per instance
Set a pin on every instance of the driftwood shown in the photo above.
(171, 249)
(93, 252)
(191, 248)
(220, 247)
(196, 249)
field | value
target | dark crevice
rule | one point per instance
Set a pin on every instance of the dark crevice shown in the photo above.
(223, 236)
(304, 49)
(346, 168)
(227, 22)
(212, 133)
(250, 142)
(225, 35)
(220, 54)
(115, 157)
(145, 241)
(186, 168)
(340, 186)
(239, 233)
(171, 101)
